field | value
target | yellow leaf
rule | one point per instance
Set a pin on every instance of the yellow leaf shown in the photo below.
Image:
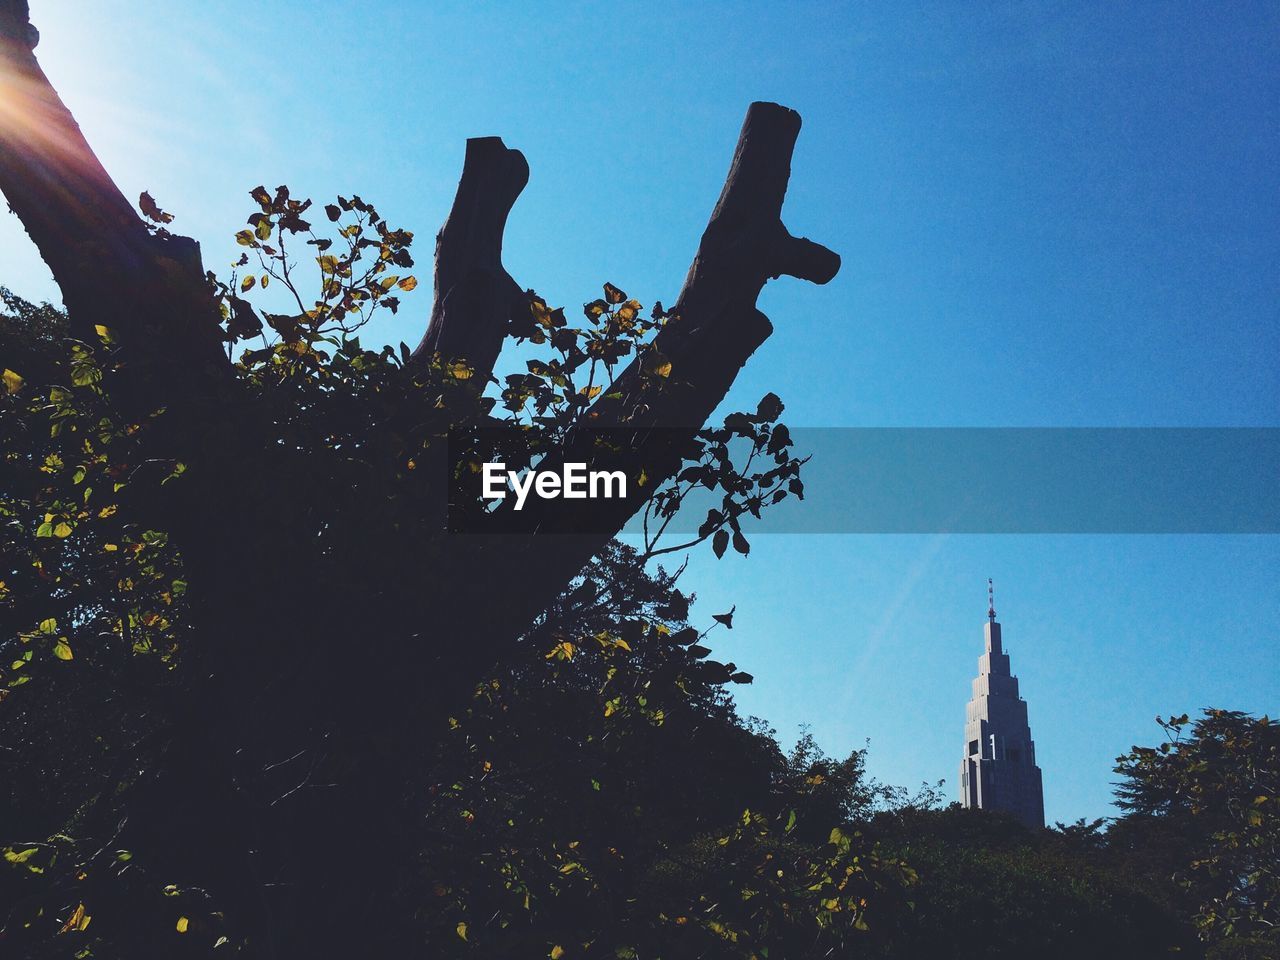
(182, 924)
(408, 283)
(18, 856)
(462, 930)
(557, 952)
(62, 650)
(245, 238)
(49, 627)
(657, 364)
(110, 547)
(591, 392)
(63, 529)
(247, 283)
(460, 371)
(12, 381)
(106, 334)
(77, 920)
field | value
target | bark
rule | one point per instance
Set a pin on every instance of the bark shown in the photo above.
(149, 289)
(714, 330)
(475, 298)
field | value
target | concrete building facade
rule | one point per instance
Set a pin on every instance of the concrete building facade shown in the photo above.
(999, 769)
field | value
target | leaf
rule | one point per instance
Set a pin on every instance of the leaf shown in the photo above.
(245, 238)
(62, 530)
(462, 929)
(791, 822)
(741, 677)
(62, 650)
(332, 212)
(151, 211)
(49, 627)
(12, 381)
(725, 618)
(182, 924)
(769, 408)
(408, 283)
(657, 364)
(740, 543)
(247, 283)
(557, 952)
(105, 334)
(613, 295)
(77, 921)
(720, 542)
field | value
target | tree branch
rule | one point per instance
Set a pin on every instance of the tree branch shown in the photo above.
(149, 289)
(713, 330)
(475, 298)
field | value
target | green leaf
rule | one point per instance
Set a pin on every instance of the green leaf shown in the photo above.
(62, 649)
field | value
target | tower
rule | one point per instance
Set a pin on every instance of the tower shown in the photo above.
(999, 769)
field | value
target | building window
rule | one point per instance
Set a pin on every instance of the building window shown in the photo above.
(973, 747)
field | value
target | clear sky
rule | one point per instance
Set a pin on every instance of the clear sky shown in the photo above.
(1050, 215)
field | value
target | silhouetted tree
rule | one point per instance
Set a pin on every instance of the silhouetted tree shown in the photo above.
(240, 623)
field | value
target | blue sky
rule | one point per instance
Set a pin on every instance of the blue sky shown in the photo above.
(1050, 215)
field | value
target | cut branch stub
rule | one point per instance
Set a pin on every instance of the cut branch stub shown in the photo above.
(476, 300)
(714, 329)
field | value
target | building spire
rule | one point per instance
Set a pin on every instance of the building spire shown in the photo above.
(991, 601)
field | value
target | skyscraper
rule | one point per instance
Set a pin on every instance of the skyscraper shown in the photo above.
(999, 769)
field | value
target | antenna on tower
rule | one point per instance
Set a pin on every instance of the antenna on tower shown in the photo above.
(991, 601)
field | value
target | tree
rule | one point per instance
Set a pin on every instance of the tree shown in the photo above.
(241, 566)
(1206, 798)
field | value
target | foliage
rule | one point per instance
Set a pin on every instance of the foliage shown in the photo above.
(187, 774)
(176, 756)
(989, 888)
(1209, 791)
